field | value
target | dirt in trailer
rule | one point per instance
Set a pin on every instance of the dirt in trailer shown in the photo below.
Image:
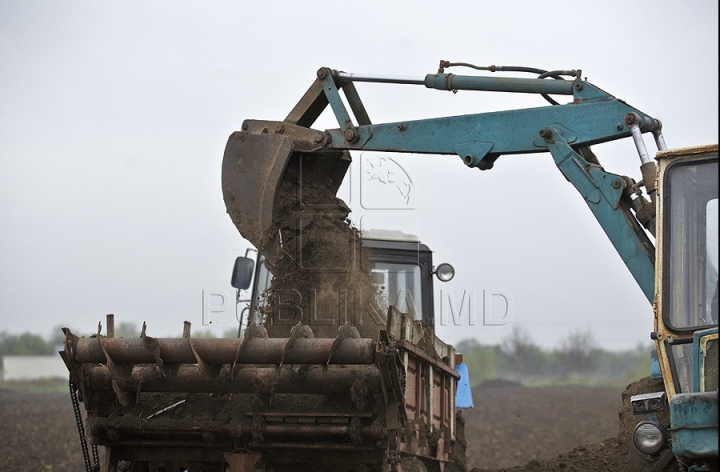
(511, 428)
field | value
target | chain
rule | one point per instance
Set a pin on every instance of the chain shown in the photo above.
(81, 431)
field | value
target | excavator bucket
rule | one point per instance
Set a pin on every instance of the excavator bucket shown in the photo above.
(257, 164)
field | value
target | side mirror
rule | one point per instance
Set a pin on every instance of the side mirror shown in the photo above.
(242, 273)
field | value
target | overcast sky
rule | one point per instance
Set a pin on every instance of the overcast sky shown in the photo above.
(114, 117)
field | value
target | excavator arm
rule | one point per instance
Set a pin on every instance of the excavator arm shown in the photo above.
(256, 158)
(380, 395)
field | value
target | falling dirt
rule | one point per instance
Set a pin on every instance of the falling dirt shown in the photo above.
(315, 257)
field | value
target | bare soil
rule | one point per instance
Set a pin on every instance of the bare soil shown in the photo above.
(38, 433)
(547, 429)
(511, 428)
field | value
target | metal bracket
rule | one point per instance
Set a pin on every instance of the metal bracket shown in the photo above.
(473, 153)
(152, 345)
(351, 134)
(209, 371)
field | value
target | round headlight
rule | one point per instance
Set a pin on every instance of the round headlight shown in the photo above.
(445, 272)
(650, 437)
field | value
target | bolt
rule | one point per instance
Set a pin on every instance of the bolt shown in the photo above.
(630, 119)
(245, 126)
(321, 73)
(350, 135)
(545, 133)
(617, 184)
(578, 86)
(619, 126)
(280, 128)
(319, 138)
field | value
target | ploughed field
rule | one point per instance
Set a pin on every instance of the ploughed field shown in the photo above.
(511, 428)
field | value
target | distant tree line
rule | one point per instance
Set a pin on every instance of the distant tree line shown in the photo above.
(29, 344)
(24, 345)
(577, 359)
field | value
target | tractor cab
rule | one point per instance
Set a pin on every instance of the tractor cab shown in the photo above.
(686, 310)
(401, 269)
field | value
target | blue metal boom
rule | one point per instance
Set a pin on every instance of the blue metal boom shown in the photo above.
(565, 131)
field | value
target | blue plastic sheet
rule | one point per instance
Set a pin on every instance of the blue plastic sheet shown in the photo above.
(463, 396)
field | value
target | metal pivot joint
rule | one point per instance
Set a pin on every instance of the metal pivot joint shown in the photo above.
(638, 125)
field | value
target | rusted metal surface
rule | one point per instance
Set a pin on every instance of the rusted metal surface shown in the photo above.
(160, 436)
(187, 378)
(239, 462)
(318, 447)
(223, 351)
(254, 164)
(430, 389)
(179, 454)
(110, 323)
(437, 363)
(307, 430)
(249, 186)
(374, 402)
(176, 441)
(325, 415)
(310, 106)
(692, 150)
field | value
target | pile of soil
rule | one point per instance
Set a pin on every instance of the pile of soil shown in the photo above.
(536, 426)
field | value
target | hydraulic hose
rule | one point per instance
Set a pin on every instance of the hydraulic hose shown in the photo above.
(542, 74)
